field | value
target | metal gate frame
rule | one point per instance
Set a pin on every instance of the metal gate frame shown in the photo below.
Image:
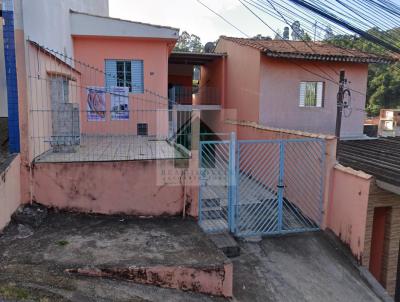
(232, 185)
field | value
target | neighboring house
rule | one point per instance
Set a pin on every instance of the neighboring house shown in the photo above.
(292, 84)
(49, 22)
(377, 222)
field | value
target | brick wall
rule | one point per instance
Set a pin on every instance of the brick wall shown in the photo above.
(382, 198)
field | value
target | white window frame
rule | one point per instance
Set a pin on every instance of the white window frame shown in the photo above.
(111, 74)
(126, 70)
(319, 94)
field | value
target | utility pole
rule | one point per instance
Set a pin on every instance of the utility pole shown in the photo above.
(340, 97)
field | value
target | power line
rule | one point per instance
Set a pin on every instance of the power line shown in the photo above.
(262, 46)
(298, 65)
(299, 34)
(223, 18)
(346, 25)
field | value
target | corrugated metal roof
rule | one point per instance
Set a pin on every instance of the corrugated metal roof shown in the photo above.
(310, 51)
(378, 157)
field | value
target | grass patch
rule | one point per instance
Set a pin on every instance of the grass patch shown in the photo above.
(13, 293)
(62, 242)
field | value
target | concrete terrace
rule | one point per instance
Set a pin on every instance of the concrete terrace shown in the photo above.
(67, 257)
(116, 148)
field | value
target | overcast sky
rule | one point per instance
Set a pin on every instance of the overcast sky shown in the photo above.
(191, 16)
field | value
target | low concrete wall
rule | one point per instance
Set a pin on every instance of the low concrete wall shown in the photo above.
(216, 280)
(347, 212)
(10, 191)
(145, 187)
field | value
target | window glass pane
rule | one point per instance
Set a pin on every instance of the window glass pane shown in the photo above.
(66, 90)
(120, 66)
(311, 94)
(124, 74)
(128, 66)
(128, 79)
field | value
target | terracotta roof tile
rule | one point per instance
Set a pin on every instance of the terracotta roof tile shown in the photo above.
(310, 50)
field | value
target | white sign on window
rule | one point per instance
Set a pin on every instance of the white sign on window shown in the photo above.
(119, 103)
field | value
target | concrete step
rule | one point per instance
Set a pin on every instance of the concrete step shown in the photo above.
(226, 243)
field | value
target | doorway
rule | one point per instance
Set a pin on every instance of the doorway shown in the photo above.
(377, 242)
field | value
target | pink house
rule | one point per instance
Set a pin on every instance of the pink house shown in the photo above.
(292, 84)
(133, 55)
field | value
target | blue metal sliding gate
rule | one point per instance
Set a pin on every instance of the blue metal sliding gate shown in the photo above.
(261, 187)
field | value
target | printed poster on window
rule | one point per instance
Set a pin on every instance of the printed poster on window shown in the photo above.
(119, 103)
(96, 104)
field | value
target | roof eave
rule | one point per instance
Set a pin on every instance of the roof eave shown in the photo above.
(83, 24)
(330, 58)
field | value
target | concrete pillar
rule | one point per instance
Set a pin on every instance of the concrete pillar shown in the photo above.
(11, 76)
(195, 129)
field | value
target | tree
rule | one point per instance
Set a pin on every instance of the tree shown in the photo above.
(306, 37)
(195, 44)
(261, 37)
(286, 33)
(297, 31)
(189, 42)
(328, 33)
(383, 80)
(278, 35)
(183, 42)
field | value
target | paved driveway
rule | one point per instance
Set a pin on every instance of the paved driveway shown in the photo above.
(304, 267)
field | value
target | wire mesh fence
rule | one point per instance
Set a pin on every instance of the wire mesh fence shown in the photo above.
(82, 113)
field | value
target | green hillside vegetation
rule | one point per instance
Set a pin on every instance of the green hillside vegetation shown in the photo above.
(383, 79)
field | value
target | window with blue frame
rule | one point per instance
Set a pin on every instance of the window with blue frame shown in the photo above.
(125, 73)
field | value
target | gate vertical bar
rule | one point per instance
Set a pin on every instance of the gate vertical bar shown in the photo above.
(200, 180)
(232, 194)
(323, 169)
(281, 185)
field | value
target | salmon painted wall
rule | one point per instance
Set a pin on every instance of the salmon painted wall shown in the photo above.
(10, 194)
(95, 50)
(242, 79)
(41, 69)
(212, 83)
(180, 74)
(280, 86)
(347, 212)
(146, 187)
